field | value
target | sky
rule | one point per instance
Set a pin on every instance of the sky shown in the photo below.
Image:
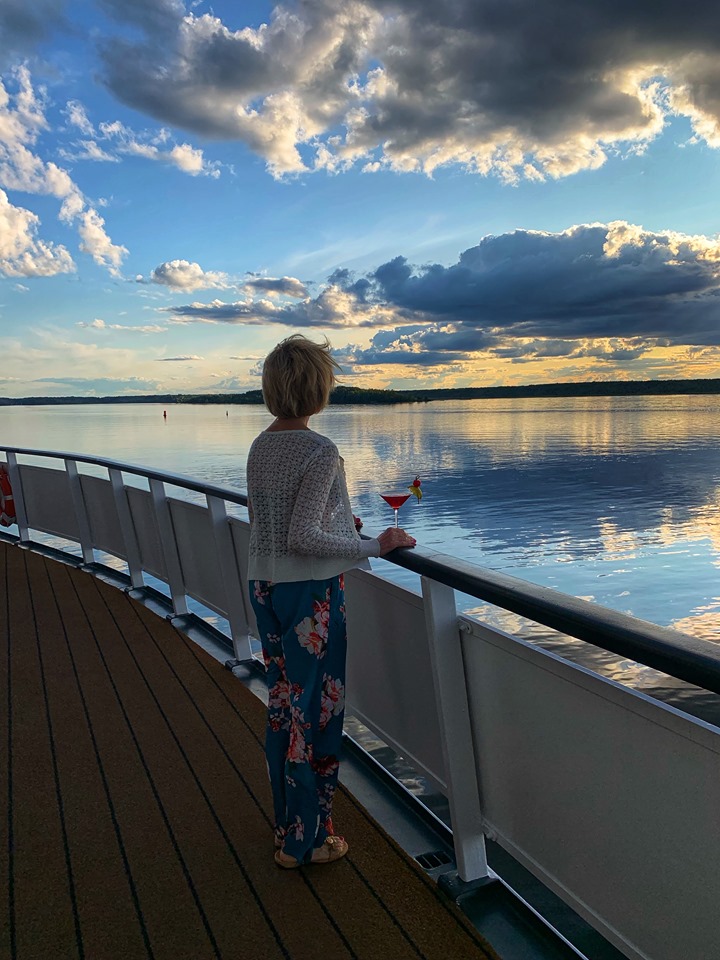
(466, 193)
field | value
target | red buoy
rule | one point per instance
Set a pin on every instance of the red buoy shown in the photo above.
(7, 501)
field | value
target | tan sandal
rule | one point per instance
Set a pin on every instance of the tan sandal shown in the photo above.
(328, 826)
(333, 849)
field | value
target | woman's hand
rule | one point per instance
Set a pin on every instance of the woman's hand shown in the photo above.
(394, 537)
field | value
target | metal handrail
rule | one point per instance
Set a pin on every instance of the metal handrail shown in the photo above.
(687, 658)
(150, 473)
(677, 654)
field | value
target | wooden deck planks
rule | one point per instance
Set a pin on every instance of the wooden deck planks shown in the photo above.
(43, 915)
(7, 908)
(107, 913)
(136, 799)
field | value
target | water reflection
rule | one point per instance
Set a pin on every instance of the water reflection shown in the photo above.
(612, 499)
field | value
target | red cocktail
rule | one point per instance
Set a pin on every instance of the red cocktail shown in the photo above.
(395, 500)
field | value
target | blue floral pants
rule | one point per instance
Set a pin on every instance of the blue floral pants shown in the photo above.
(302, 629)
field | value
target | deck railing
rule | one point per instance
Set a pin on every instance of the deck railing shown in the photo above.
(605, 794)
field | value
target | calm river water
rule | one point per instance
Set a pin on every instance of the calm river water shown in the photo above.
(610, 499)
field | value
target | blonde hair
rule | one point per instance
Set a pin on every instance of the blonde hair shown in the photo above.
(297, 377)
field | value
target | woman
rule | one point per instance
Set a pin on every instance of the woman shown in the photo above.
(302, 540)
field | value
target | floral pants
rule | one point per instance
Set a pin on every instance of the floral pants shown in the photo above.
(302, 629)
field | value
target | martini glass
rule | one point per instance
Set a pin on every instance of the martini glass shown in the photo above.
(395, 500)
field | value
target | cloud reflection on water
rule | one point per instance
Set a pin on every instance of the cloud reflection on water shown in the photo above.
(613, 499)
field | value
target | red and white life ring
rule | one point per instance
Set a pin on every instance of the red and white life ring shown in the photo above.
(7, 501)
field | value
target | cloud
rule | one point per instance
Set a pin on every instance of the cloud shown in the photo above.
(96, 324)
(224, 384)
(155, 17)
(603, 292)
(83, 365)
(102, 386)
(22, 120)
(333, 307)
(520, 90)
(609, 291)
(183, 275)
(282, 286)
(112, 140)
(99, 324)
(78, 117)
(96, 242)
(177, 359)
(23, 26)
(591, 280)
(22, 254)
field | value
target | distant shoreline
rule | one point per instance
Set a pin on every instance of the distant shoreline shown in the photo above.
(358, 395)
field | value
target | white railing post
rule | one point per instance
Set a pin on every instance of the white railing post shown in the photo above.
(455, 729)
(18, 499)
(80, 508)
(127, 529)
(169, 546)
(233, 586)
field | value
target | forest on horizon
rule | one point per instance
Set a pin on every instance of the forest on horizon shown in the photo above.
(363, 395)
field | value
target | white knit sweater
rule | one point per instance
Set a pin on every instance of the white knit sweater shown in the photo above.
(301, 522)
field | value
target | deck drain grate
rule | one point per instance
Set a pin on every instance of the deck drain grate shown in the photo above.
(436, 858)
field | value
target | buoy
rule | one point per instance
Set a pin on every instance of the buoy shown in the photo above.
(7, 501)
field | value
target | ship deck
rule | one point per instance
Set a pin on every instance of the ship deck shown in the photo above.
(137, 804)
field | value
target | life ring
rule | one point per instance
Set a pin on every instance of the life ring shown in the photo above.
(7, 501)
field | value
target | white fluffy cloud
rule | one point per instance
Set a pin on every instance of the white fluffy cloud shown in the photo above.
(96, 242)
(22, 120)
(184, 275)
(22, 254)
(111, 140)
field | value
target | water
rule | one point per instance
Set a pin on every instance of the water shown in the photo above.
(613, 499)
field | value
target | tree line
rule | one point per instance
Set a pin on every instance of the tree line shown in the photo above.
(364, 395)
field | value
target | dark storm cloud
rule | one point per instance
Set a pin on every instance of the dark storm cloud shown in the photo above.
(285, 286)
(24, 25)
(404, 345)
(611, 349)
(589, 281)
(604, 291)
(513, 87)
(158, 18)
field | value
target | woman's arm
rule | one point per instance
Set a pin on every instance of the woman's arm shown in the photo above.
(306, 535)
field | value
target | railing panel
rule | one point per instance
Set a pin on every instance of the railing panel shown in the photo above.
(146, 531)
(240, 531)
(48, 501)
(102, 515)
(198, 554)
(609, 797)
(389, 674)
